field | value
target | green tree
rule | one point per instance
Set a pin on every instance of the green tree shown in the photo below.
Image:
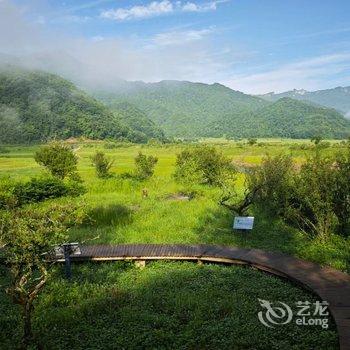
(102, 165)
(144, 166)
(58, 158)
(316, 139)
(26, 238)
(203, 165)
(252, 141)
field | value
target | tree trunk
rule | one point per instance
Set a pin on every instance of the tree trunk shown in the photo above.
(27, 325)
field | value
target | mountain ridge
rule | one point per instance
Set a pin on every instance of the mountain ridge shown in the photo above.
(185, 109)
(337, 98)
(36, 106)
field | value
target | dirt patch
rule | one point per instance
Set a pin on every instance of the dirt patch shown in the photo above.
(135, 207)
(178, 197)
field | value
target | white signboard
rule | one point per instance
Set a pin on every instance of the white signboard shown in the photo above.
(243, 222)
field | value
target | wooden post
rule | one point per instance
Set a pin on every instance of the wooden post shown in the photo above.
(199, 262)
(67, 261)
(140, 264)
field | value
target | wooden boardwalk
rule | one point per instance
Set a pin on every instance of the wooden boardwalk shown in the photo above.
(329, 284)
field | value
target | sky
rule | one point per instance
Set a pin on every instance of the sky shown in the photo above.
(254, 46)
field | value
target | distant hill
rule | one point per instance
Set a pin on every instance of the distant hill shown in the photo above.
(296, 119)
(37, 106)
(185, 109)
(337, 98)
(138, 121)
(182, 108)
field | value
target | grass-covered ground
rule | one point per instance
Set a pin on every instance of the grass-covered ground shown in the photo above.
(121, 215)
(116, 306)
(174, 305)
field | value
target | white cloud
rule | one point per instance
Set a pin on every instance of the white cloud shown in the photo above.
(155, 8)
(181, 37)
(182, 54)
(192, 7)
(309, 74)
(97, 38)
(71, 19)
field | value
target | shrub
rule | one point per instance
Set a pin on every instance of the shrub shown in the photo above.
(4, 150)
(316, 139)
(102, 165)
(203, 165)
(267, 185)
(58, 158)
(341, 191)
(15, 194)
(7, 198)
(316, 198)
(312, 208)
(39, 189)
(252, 141)
(272, 183)
(144, 166)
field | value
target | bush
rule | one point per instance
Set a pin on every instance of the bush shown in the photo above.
(203, 165)
(313, 205)
(39, 189)
(252, 141)
(144, 166)
(15, 194)
(4, 150)
(272, 183)
(7, 198)
(316, 198)
(58, 158)
(341, 191)
(102, 165)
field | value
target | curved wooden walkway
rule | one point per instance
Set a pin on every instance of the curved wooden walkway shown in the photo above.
(329, 284)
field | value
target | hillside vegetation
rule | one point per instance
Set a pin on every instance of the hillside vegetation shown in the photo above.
(185, 109)
(296, 119)
(37, 106)
(337, 98)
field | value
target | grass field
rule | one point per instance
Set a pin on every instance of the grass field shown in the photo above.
(164, 306)
(121, 215)
(126, 303)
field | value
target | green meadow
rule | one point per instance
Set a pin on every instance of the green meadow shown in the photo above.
(121, 215)
(169, 305)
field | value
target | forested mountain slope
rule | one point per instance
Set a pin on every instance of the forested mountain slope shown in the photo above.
(185, 109)
(37, 106)
(337, 98)
(296, 119)
(138, 121)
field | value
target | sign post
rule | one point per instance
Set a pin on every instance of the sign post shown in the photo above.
(67, 250)
(243, 223)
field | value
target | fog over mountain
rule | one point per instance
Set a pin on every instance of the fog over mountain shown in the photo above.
(96, 48)
(179, 78)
